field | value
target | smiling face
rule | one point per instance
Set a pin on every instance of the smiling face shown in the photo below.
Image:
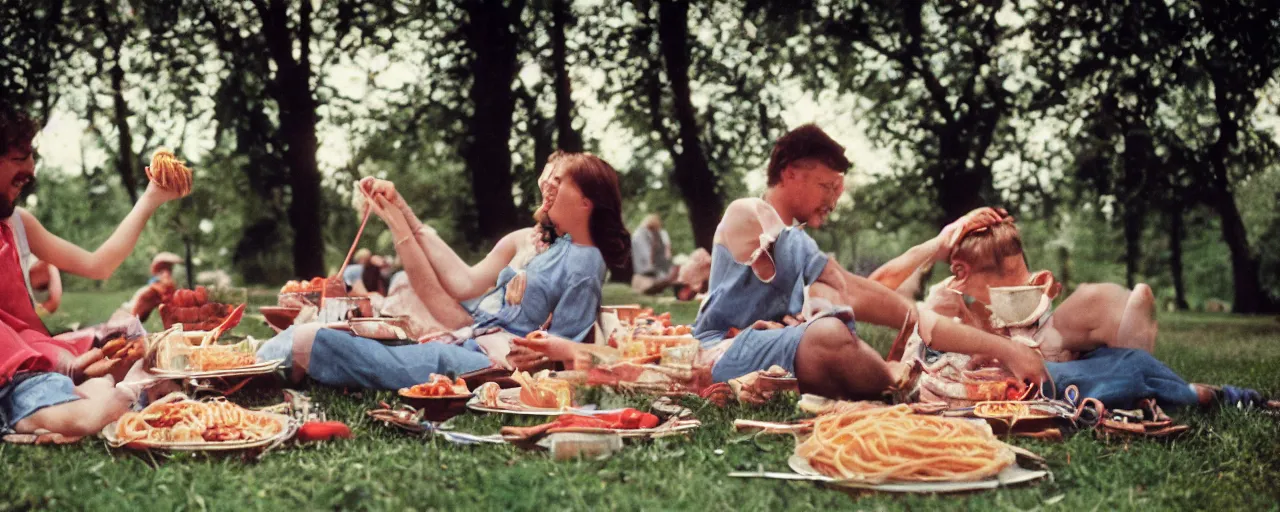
(17, 169)
(814, 189)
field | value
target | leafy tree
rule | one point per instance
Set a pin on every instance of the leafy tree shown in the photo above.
(658, 58)
(934, 72)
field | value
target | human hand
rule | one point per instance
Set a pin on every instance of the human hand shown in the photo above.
(375, 187)
(979, 218)
(556, 349)
(524, 358)
(1026, 364)
(516, 288)
(157, 195)
(765, 325)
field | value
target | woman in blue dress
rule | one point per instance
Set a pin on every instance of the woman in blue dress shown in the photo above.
(548, 277)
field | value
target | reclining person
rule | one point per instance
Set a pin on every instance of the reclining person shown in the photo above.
(1099, 339)
(991, 256)
(37, 393)
(764, 265)
(555, 285)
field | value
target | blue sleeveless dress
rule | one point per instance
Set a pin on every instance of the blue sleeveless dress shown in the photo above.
(738, 298)
(563, 285)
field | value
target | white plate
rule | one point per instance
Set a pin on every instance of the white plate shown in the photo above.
(1014, 474)
(290, 428)
(262, 368)
(510, 404)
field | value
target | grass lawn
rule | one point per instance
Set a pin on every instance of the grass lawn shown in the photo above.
(1229, 459)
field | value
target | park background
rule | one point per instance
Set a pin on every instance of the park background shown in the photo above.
(1134, 141)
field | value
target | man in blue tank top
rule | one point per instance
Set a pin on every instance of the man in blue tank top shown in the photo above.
(766, 270)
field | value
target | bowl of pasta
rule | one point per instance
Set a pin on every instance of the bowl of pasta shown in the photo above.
(439, 399)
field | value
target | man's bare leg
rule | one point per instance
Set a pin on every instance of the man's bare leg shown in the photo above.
(101, 405)
(873, 303)
(832, 362)
(1107, 314)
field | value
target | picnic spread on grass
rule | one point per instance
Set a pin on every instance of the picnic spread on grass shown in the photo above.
(931, 447)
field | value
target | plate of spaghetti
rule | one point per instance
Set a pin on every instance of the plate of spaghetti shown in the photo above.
(178, 354)
(893, 449)
(176, 422)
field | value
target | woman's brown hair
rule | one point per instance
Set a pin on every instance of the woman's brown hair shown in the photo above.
(599, 183)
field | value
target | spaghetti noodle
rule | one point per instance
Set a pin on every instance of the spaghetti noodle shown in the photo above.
(189, 421)
(169, 173)
(892, 444)
(218, 357)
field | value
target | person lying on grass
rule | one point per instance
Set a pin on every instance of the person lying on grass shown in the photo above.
(1100, 338)
(763, 263)
(991, 256)
(553, 282)
(38, 372)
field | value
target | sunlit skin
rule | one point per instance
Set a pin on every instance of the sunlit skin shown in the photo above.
(102, 402)
(441, 279)
(1096, 314)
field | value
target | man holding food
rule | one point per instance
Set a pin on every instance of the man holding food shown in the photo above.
(36, 387)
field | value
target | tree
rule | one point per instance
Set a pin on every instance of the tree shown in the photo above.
(292, 43)
(650, 60)
(491, 34)
(935, 73)
(35, 37)
(1144, 73)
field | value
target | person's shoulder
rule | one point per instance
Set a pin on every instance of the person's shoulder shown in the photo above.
(585, 261)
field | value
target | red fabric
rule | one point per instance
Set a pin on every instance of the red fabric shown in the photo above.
(25, 345)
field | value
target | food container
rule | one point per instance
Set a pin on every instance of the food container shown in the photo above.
(1012, 304)
(572, 445)
(436, 408)
(341, 309)
(680, 356)
(626, 313)
(279, 317)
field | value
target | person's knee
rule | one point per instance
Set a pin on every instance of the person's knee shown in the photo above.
(828, 334)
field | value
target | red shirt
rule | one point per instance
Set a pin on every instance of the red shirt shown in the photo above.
(25, 344)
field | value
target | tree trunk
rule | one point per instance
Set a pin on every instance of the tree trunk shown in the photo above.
(959, 189)
(1176, 233)
(490, 33)
(291, 89)
(1249, 296)
(124, 137)
(692, 173)
(191, 267)
(568, 139)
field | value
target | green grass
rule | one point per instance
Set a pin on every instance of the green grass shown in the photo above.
(1229, 459)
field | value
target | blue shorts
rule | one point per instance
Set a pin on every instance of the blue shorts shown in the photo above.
(1119, 377)
(339, 358)
(28, 392)
(753, 350)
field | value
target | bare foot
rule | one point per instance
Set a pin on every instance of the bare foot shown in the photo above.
(1138, 323)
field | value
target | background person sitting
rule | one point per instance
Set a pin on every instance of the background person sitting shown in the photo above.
(352, 274)
(651, 257)
(158, 288)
